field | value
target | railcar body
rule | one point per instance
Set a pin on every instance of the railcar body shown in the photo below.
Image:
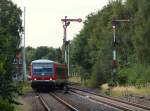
(47, 74)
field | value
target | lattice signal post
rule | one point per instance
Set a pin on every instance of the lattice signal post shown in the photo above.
(114, 61)
(66, 22)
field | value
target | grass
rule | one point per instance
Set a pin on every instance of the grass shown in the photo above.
(125, 90)
(26, 87)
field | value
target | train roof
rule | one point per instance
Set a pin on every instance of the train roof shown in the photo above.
(43, 61)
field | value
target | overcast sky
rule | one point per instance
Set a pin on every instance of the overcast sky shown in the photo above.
(43, 19)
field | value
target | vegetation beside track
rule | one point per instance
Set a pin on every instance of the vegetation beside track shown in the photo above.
(116, 91)
(119, 91)
(23, 104)
(91, 49)
(75, 79)
(26, 87)
(10, 37)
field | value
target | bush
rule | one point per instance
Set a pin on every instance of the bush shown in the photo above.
(5, 106)
(146, 76)
(136, 74)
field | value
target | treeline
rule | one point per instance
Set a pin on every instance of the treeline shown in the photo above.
(91, 49)
(10, 30)
(43, 52)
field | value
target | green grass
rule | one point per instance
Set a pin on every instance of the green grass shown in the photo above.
(26, 87)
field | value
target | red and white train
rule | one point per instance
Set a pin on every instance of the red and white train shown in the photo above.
(47, 74)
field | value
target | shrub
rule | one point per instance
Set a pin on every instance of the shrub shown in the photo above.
(5, 106)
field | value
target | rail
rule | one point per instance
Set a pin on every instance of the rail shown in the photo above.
(64, 102)
(120, 104)
(44, 103)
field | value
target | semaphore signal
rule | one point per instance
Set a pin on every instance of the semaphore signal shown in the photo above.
(114, 61)
(66, 23)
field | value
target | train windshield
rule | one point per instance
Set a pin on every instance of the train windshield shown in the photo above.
(42, 69)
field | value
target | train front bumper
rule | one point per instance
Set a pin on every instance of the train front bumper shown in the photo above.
(43, 84)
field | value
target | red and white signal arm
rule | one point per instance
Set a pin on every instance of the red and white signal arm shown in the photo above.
(72, 20)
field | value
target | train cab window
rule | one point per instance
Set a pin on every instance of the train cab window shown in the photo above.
(42, 69)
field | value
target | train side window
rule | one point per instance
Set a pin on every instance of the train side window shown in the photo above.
(60, 70)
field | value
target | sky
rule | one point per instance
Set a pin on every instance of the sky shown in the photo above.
(43, 26)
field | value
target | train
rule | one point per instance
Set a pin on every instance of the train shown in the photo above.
(47, 74)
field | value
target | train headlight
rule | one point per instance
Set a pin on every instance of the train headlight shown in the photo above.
(35, 79)
(50, 79)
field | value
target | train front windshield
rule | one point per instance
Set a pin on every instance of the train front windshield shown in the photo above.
(43, 69)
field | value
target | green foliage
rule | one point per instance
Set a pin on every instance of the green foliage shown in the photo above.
(136, 74)
(43, 52)
(146, 76)
(91, 49)
(30, 55)
(10, 29)
(5, 106)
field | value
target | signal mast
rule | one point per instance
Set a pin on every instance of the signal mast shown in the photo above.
(114, 61)
(66, 22)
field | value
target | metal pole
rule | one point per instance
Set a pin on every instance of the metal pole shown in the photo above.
(24, 57)
(114, 62)
(68, 62)
(65, 35)
(114, 48)
(66, 23)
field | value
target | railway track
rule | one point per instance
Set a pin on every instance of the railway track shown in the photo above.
(64, 102)
(117, 103)
(43, 102)
(46, 104)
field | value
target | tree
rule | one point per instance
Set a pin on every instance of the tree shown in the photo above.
(43, 52)
(10, 29)
(30, 55)
(91, 49)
